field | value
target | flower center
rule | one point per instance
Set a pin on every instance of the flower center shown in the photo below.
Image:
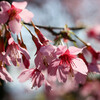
(66, 58)
(14, 13)
(45, 61)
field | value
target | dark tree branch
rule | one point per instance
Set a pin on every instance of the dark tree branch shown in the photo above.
(60, 28)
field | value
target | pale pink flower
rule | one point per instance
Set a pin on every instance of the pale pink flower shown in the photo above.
(66, 63)
(68, 57)
(13, 14)
(4, 75)
(45, 60)
(36, 76)
(45, 55)
(94, 32)
(15, 52)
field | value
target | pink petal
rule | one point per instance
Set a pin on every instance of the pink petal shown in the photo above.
(40, 80)
(5, 75)
(7, 60)
(2, 75)
(25, 52)
(52, 69)
(3, 13)
(48, 86)
(20, 5)
(41, 37)
(5, 6)
(37, 79)
(93, 67)
(25, 61)
(39, 62)
(3, 17)
(80, 78)
(79, 65)
(61, 74)
(10, 40)
(25, 75)
(26, 15)
(47, 50)
(61, 49)
(15, 26)
(74, 50)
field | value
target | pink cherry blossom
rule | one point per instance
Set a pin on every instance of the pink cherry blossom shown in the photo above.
(69, 59)
(94, 32)
(13, 14)
(66, 63)
(4, 6)
(45, 55)
(16, 52)
(4, 75)
(36, 76)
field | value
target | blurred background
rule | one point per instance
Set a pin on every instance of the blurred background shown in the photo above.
(74, 13)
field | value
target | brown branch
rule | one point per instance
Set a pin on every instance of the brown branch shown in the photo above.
(60, 28)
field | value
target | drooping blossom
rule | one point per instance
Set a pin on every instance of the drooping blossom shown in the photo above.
(36, 76)
(16, 53)
(4, 75)
(94, 65)
(12, 15)
(41, 37)
(44, 54)
(94, 53)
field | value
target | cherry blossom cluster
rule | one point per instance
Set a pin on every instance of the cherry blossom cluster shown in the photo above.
(52, 63)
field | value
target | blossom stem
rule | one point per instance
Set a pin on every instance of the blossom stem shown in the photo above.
(34, 38)
(50, 28)
(27, 28)
(79, 38)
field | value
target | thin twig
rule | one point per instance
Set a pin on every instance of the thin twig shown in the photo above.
(60, 28)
